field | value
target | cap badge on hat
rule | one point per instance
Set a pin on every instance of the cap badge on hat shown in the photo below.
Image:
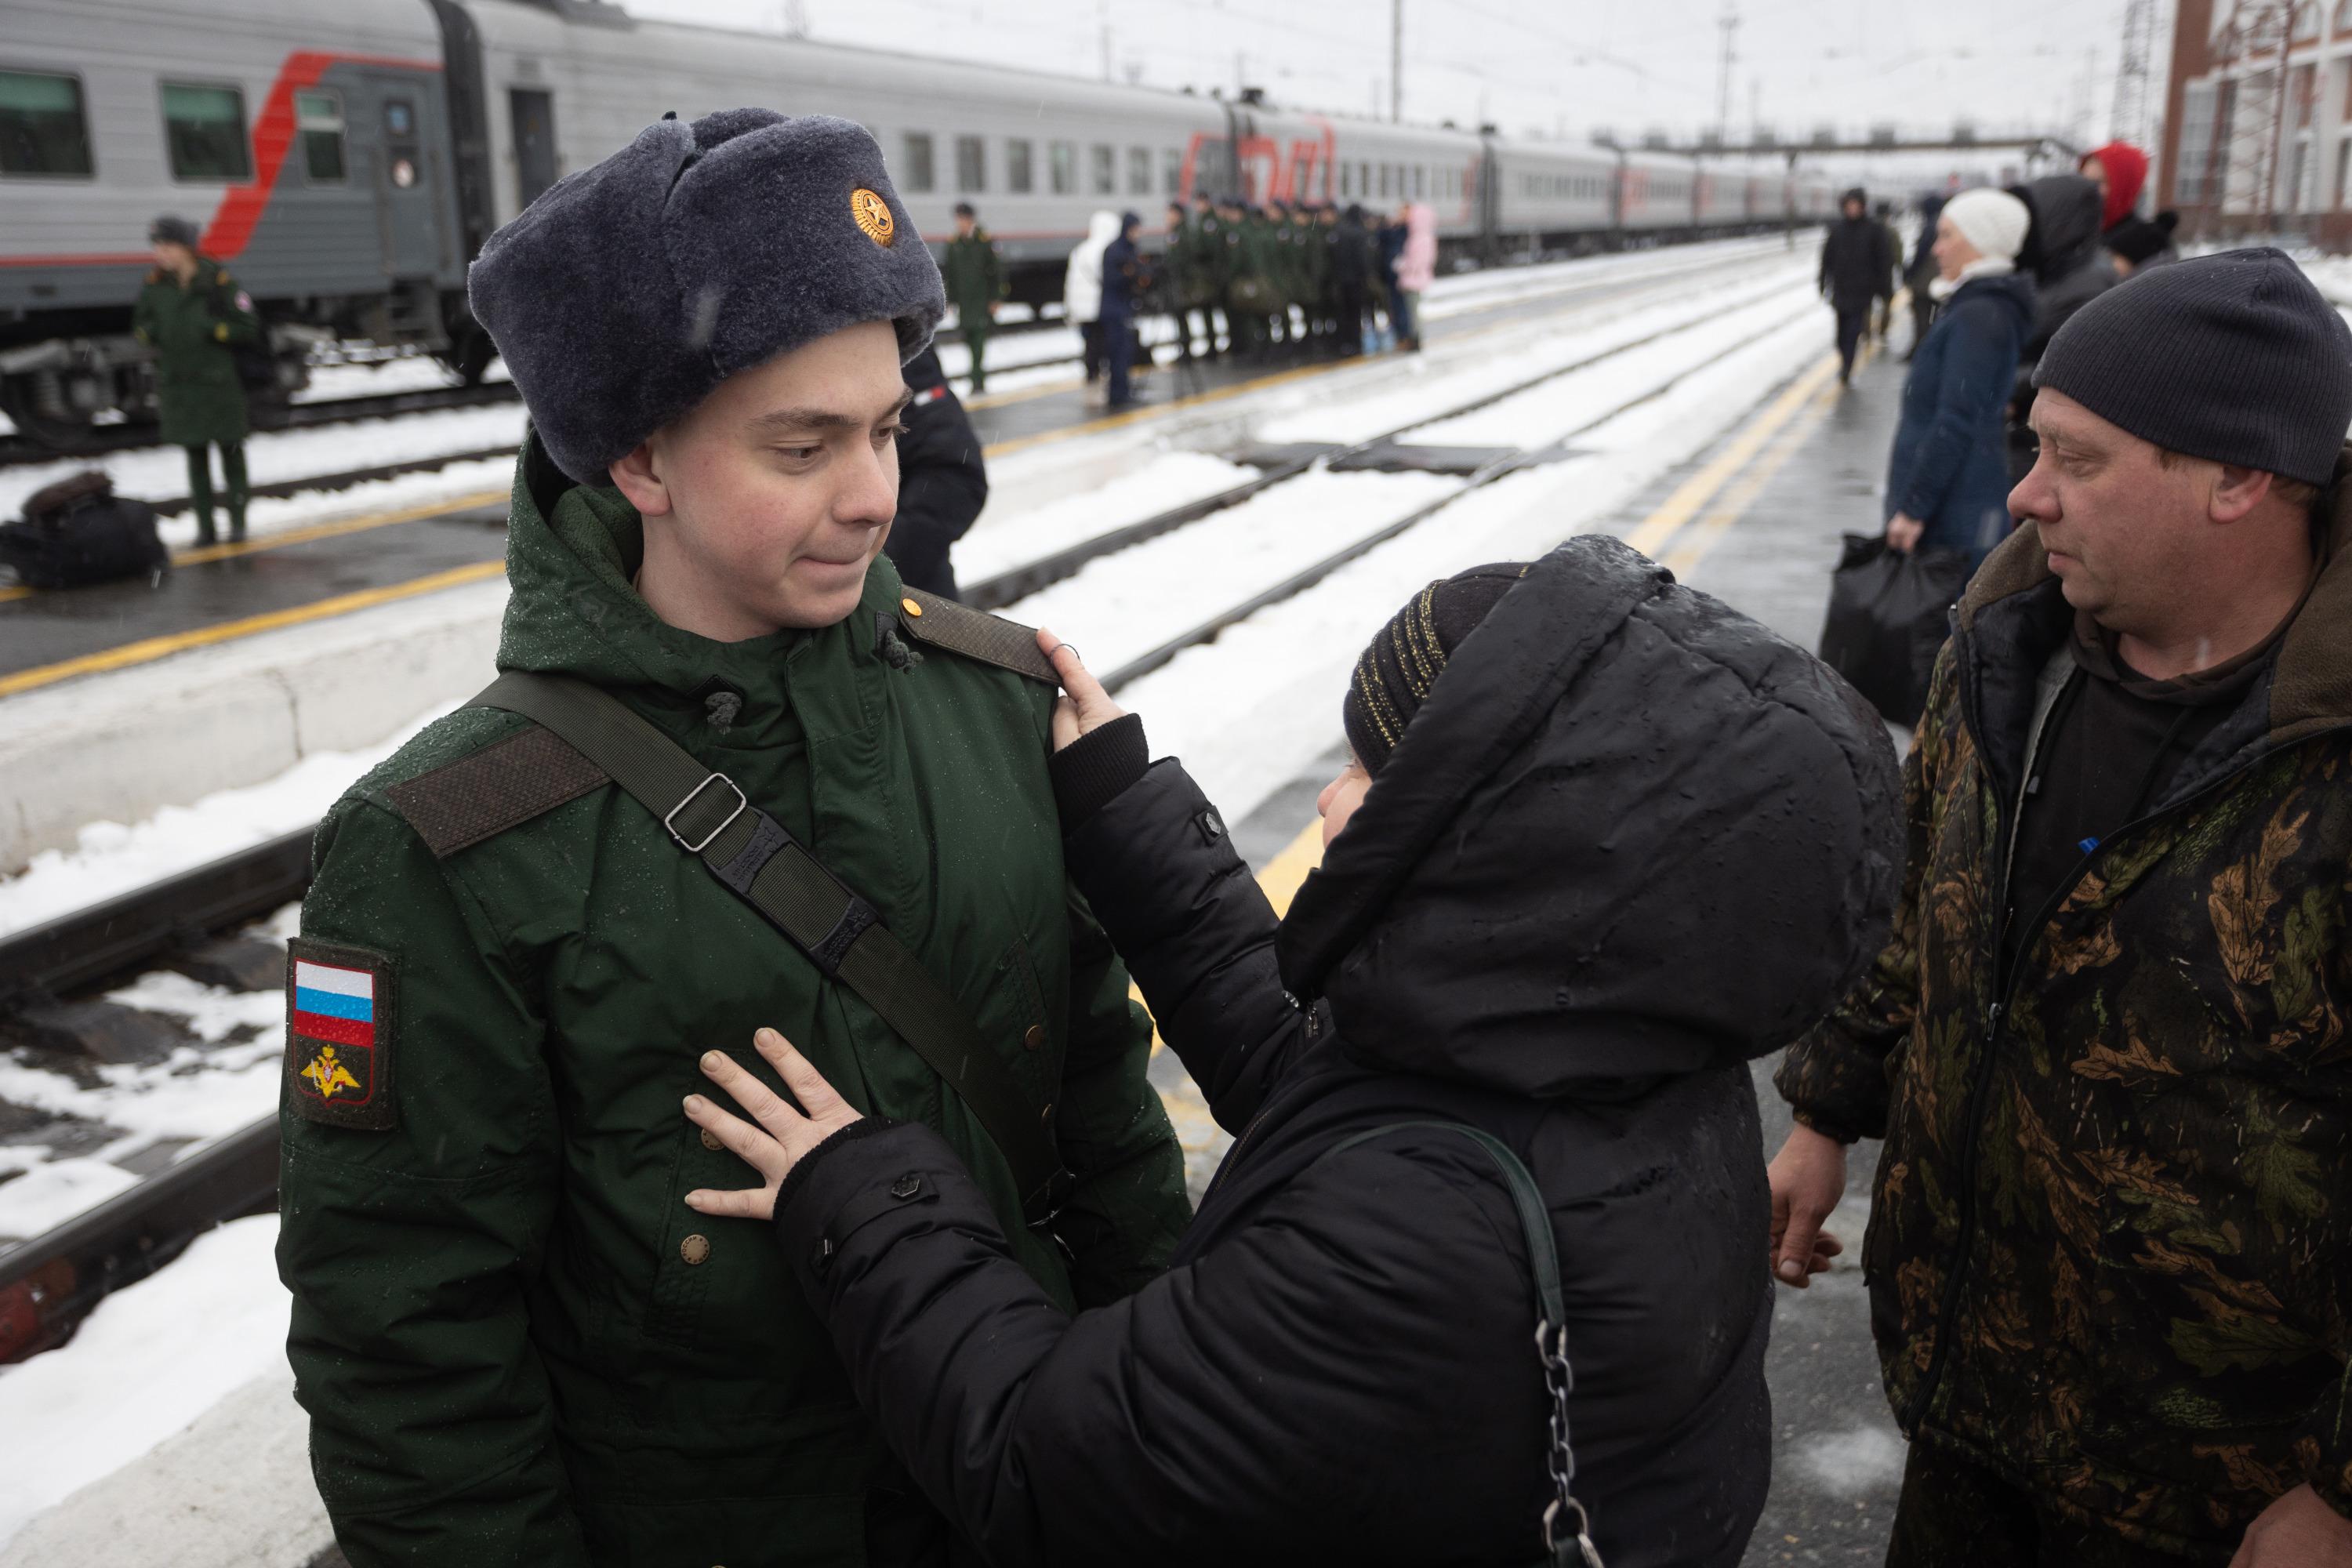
(873, 215)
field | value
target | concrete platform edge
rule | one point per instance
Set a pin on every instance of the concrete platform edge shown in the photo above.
(120, 747)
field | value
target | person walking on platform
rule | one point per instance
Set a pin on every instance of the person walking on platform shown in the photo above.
(192, 314)
(942, 479)
(734, 772)
(1122, 278)
(1416, 269)
(2112, 1226)
(1921, 276)
(1856, 265)
(1082, 288)
(1468, 1079)
(1353, 261)
(975, 282)
(1947, 481)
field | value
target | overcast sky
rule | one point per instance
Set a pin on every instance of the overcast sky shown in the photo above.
(1549, 64)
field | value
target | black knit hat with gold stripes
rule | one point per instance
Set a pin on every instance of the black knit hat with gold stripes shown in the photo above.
(1396, 672)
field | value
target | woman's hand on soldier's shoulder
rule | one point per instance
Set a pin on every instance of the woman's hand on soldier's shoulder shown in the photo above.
(1085, 706)
(783, 1133)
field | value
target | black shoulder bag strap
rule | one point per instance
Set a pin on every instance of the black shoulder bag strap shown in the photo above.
(710, 818)
(1567, 1529)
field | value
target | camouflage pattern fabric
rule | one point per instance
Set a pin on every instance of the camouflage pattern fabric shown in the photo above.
(2108, 1246)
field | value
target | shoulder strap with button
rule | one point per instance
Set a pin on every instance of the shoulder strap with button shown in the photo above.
(958, 629)
(710, 818)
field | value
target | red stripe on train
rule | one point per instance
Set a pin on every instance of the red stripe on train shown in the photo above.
(241, 206)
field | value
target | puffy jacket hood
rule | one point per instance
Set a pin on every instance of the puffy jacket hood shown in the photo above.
(2065, 232)
(1631, 833)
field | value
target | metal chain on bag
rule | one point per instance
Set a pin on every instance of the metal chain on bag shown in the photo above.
(1568, 1530)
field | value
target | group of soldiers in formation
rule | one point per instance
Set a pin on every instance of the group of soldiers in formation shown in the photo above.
(1256, 265)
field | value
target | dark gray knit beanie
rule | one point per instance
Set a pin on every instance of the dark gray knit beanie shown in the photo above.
(627, 291)
(2233, 357)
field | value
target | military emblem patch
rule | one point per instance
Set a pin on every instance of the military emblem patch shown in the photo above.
(339, 1035)
(873, 215)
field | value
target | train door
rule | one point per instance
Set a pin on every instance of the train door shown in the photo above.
(533, 110)
(408, 211)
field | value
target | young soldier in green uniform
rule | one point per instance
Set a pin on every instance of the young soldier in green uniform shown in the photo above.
(192, 314)
(975, 281)
(734, 775)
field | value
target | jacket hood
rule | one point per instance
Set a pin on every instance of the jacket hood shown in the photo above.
(1630, 833)
(2310, 686)
(1102, 228)
(2065, 233)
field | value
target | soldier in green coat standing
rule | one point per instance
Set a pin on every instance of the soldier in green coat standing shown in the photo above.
(193, 315)
(975, 282)
(733, 775)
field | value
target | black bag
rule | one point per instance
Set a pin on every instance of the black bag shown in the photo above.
(1888, 610)
(77, 531)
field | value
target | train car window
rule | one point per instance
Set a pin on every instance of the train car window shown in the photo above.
(1019, 177)
(532, 112)
(918, 174)
(319, 118)
(1106, 170)
(1171, 171)
(42, 127)
(1139, 170)
(1420, 180)
(1064, 168)
(204, 128)
(971, 164)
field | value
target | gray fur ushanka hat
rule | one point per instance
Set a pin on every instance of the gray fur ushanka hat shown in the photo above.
(627, 291)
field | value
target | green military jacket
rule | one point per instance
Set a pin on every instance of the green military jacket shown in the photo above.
(2110, 1248)
(192, 331)
(516, 1344)
(974, 276)
(1255, 287)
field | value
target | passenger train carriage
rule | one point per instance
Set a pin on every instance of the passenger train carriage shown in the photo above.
(346, 162)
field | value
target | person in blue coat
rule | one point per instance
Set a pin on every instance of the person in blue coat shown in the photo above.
(1947, 476)
(1122, 285)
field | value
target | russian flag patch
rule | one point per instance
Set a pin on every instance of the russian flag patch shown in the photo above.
(339, 1035)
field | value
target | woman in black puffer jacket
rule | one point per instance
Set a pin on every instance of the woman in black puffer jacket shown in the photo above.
(1625, 840)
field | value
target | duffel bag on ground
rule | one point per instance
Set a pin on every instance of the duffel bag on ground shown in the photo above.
(1887, 620)
(77, 532)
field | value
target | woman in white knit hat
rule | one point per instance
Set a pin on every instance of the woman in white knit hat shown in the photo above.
(1946, 478)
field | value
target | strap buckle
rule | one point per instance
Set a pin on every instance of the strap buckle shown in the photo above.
(742, 802)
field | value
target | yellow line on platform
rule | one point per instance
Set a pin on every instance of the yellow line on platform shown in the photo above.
(1709, 531)
(148, 649)
(1694, 492)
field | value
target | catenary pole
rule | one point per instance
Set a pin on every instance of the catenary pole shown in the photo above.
(1396, 60)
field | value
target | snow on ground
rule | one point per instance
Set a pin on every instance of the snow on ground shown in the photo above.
(1254, 709)
(1428, 386)
(152, 1359)
(1850, 1463)
(1002, 540)
(273, 456)
(112, 859)
(226, 1079)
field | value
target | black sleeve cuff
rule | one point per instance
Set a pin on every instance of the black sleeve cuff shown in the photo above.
(863, 1127)
(1097, 768)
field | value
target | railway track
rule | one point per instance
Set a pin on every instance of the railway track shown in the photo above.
(48, 1282)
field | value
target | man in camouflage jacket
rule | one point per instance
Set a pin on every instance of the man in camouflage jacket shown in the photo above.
(2106, 1046)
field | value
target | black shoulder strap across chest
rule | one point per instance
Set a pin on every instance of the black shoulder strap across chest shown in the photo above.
(710, 818)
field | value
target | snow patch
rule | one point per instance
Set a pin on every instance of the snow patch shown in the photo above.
(1854, 1463)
